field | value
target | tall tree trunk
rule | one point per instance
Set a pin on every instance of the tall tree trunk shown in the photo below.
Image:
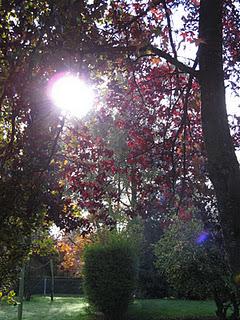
(223, 166)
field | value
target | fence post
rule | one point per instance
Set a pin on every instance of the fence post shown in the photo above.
(20, 293)
(52, 279)
(44, 286)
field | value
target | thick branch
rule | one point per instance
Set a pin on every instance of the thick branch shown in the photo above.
(154, 51)
(175, 62)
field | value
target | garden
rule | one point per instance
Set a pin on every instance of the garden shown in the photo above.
(188, 282)
(119, 159)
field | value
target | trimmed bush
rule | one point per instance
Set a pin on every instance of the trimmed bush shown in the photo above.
(110, 274)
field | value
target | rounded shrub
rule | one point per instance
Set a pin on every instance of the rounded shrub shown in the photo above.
(110, 274)
(192, 262)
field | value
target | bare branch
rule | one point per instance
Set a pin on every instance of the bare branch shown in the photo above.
(169, 29)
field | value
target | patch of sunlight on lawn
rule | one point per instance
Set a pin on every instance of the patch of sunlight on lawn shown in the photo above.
(62, 308)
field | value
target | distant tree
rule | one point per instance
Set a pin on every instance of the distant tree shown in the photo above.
(151, 284)
(71, 248)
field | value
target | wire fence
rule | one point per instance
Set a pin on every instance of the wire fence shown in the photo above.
(62, 285)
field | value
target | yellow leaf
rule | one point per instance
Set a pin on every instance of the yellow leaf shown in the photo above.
(61, 183)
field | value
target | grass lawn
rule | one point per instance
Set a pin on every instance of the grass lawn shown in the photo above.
(154, 309)
(41, 308)
(75, 308)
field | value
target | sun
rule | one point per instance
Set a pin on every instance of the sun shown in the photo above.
(71, 94)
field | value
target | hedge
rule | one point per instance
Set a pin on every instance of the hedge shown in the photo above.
(110, 274)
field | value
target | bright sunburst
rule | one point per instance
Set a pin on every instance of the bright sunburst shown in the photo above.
(71, 94)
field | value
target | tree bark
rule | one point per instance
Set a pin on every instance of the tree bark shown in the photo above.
(223, 166)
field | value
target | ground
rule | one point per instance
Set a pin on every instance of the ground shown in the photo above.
(76, 308)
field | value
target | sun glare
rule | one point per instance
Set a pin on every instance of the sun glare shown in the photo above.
(71, 94)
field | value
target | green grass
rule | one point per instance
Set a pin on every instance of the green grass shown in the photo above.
(75, 308)
(41, 308)
(171, 309)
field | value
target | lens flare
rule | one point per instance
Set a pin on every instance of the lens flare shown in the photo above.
(71, 94)
(203, 236)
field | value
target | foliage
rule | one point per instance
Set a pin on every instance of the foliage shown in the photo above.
(188, 264)
(157, 95)
(192, 262)
(110, 273)
(30, 127)
(71, 248)
(134, 230)
(121, 160)
(43, 244)
(41, 251)
(151, 284)
(9, 297)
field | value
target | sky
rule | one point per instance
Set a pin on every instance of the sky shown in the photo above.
(190, 50)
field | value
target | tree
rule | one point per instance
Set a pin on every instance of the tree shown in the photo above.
(222, 162)
(223, 166)
(30, 126)
(151, 284)
(128, 158)
(29, 132)
(132, 31)
(193, 264)
(70, 249)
